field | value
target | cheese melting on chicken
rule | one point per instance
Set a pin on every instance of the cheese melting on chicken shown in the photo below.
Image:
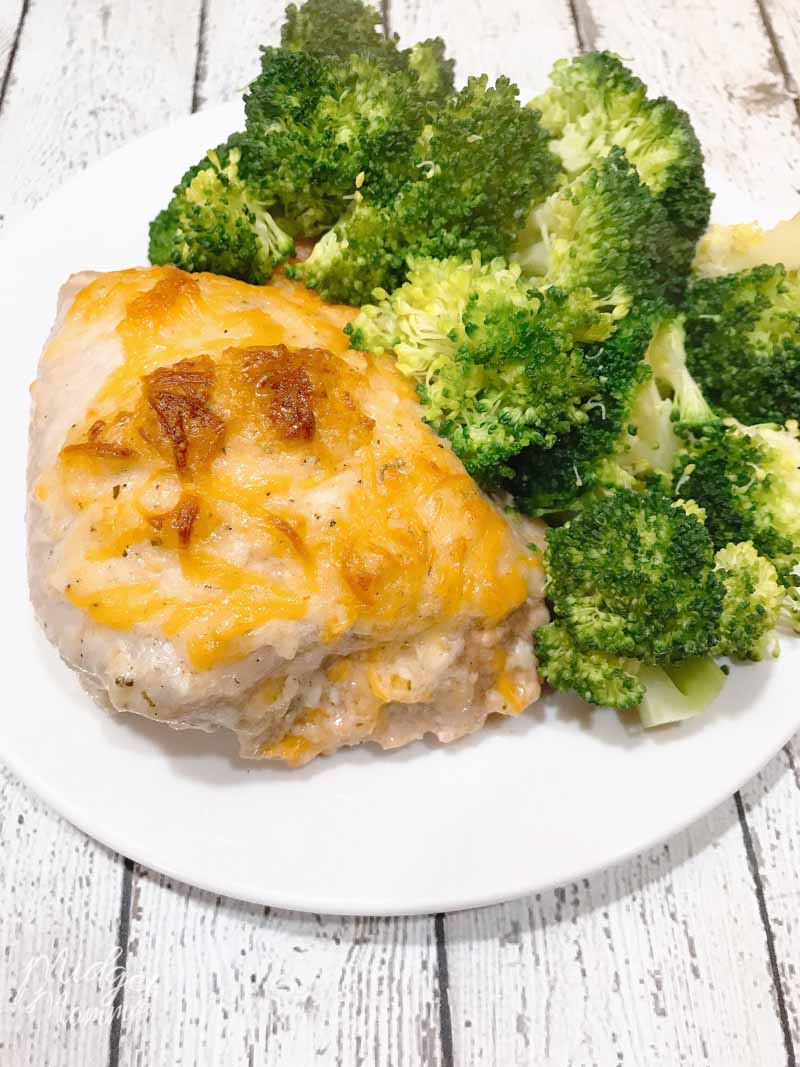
(237, 480)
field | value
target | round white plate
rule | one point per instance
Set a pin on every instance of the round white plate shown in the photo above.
(522, 805)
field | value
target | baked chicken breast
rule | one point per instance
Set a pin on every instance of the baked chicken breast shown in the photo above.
(236, 521)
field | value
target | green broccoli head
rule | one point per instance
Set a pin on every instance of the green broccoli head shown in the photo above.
(215, 222)
(498, 366)
(359, 255)
(753, 603)
(595, 102)
(322, 129)
(627, 430)
(481, 165)
(606, 231)
(597, 678)
(434, 71)
(339, 28)
(475, 173)
(747, 478)
(342, 29)
(632, 575)
(743, 342)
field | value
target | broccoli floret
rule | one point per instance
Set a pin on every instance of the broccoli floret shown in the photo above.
(605, 231)
(355, 258)
(434, 71)
(497, 365)
(637, 602)
(476, 170)
(753, 604)
(628, 427)
(632, 575)
(743, 342)
(325, 131)
(339, 28)
(596, 102)
(483, 162)
(215, 222)
(747, 478)
(596, 677)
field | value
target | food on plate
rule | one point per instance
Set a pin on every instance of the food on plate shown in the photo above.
(743, 342)
(634, 580)
(235, 520)
(595, 103)
(254, 506)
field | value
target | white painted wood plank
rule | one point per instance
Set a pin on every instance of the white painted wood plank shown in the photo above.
(230, 984)
(88, 77)
(781, 18)
(59, 908)
(513, 37)
(661, 960)
(772, 803)
(714, 58)
(234, 30)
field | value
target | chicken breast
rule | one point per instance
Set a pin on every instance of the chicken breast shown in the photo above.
(234, 520)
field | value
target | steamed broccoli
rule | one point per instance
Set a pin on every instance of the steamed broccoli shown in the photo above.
(605, 231)
(747, 478)
(743, 342)
(434, 71)
(627, 431)
(498, 365)
(597, 678)
(326, 131)
(215, 222)
(339, 28)
(753, 603)
(596, 102)
(477, 170)
(632, 583)
(633, 575)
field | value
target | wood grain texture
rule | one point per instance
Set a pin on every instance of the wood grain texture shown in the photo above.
(772, 804)
(11, 13)
(59, 909)
(235, 983)
(513, 37)
(781, 21)
(661, 960)
(88, 77)
(229, 56)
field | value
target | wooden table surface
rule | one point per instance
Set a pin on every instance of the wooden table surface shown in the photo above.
(687, 954)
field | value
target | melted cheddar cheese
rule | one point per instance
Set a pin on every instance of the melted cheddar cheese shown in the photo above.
(239, 468)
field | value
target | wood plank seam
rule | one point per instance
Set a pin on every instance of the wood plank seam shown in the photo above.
(12, 55)
(443, 985)
(780, 57)
(584, 23)
(200, 61)
(123, 940)
(758, 885)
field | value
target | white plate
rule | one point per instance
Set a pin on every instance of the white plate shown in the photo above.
(530, 803)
